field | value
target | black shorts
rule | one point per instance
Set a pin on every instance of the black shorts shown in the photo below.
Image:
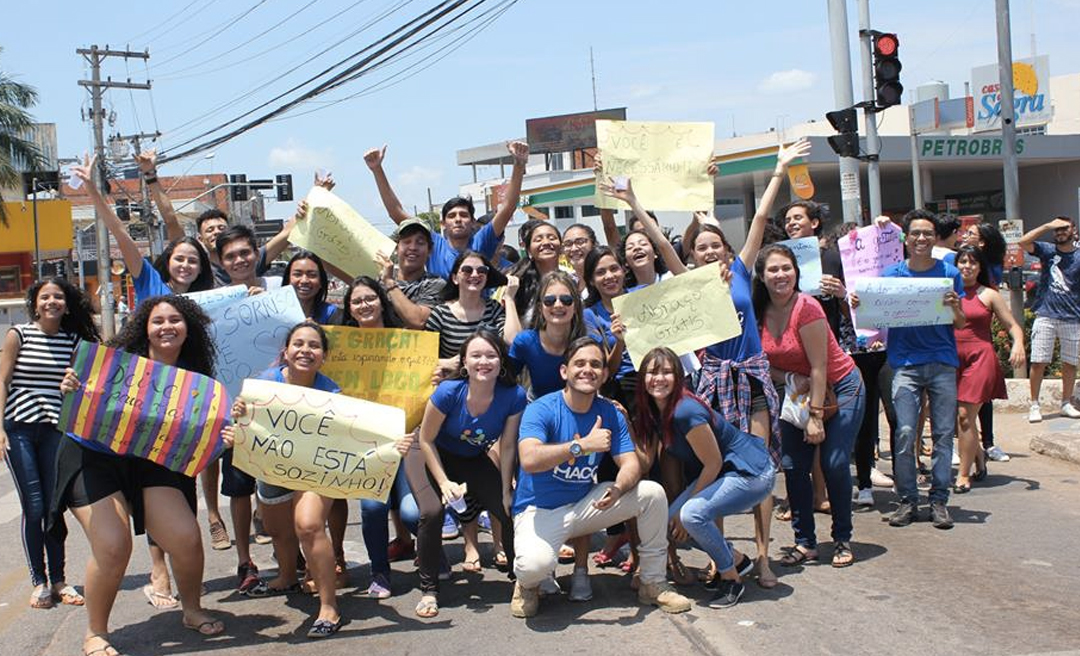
(85, 476)
(235, 483)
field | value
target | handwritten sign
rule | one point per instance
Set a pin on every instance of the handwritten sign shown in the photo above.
(306, 439)
(903, 302)
(250, 332)
(684, 313)
(808, 256)
(338, 234)
(218, 297)
(384, 365)
(140, 407)
(866, 252)
(1012, 230)
(667, 162)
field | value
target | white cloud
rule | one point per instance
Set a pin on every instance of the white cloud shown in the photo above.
(787, 81)
(294, 155)
(419, 176)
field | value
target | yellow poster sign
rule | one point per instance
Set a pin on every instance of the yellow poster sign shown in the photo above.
(306, 439)
(338, 234)
(683, 313)
(54, 227)
(667, 163)
(384, 365)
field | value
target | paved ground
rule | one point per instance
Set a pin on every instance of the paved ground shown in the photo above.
(1003, 581)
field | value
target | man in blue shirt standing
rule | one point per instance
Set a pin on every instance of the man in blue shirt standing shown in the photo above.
(924, 359)
(1057, 311)
(459, 227)
(563, 438)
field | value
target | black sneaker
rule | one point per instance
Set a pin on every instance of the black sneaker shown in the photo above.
(939, 515)
(728, 595)
(743, 567)
(903, 515)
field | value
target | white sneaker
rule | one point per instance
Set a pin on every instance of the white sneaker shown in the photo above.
(1069, 411)
(1035, 414)
(580, 588)
(550, 587)
(996, 454)
(879, 478)
(864, 498)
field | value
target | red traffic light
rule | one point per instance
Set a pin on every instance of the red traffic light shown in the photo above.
(885, 45)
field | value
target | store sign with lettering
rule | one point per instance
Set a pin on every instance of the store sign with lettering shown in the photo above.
(1031, 93)
(963, 147)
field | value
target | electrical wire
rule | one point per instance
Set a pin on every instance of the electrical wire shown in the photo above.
(168, 21)
(215, 33)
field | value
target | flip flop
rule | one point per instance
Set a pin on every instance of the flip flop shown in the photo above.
(42, 600)
(206, 628)
(324, 628)
(68, 596)
(843, 555)
(428, 607)
(472, 566)
(107, 650)
(160, 600)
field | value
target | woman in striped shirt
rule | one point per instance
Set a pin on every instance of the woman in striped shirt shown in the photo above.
(32, 365)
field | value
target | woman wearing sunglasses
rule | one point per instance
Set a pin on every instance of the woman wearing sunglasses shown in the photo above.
(557, 311)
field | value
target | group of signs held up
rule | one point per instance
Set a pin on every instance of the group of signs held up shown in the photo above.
(341, 445)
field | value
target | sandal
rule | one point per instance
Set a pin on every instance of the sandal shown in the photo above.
(678, 573)
(795, 556)
(106, 650)
(782, 513)
(207, 628)
(428, 607)
(161, 600)
(472, 566)
(566, 554)
(263, 589)
(842, 555)
(42, 599)
(980, 472)
(606, 557)
(68, 596)
(219, 536)
(501, 562)
(324, 628)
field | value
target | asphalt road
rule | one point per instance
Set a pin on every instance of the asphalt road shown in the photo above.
(1003, 581)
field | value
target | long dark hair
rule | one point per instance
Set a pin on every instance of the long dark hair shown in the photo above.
(708, 227)
(495, 278)
(324, 280)
(983, 278)
(506, 372)
(577, 323)
(198, 352)
(759, 295)
(526, 270)
(203, 281)
(993, 243)
(658, 261)
(390, 316)
(592, 260)
(79, 318)
(654, 426)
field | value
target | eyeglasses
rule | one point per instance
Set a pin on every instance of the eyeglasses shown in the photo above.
(565, 299)
(365, 300)
(572, 243)
(468, 270)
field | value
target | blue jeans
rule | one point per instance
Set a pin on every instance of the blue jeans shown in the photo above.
(939, 383)
(732, 492)
(373, 522)
(798, 460)
(32, 461)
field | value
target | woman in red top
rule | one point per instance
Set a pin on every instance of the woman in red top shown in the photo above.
(797, 339)
(979, 378)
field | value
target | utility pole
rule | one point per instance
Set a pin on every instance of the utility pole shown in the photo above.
(95, 56)
(873, 144)
(843, 96)
(1008, 140)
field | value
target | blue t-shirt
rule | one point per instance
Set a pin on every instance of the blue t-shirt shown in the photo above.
(551, 421)
(441, 260)
(747, 344)
(528, 352)
(465, 435)
(915, 345)
(149, 283)
(323, 313)
(322, 383)
(741, 451)
(598, 326)
(1059, 283)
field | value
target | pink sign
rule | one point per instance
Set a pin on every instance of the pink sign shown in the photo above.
(868, 251)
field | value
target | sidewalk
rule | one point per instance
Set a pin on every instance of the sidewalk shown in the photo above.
(1055, 436)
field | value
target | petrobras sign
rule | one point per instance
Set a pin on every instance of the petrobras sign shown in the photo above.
(1031, 93)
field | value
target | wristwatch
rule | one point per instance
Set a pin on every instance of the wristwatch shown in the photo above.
(575, 449)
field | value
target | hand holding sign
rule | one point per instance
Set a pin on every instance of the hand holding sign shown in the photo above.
(904, 302)
(340, 235)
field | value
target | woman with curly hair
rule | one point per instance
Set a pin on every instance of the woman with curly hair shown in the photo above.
(32, 364)
(106, 491)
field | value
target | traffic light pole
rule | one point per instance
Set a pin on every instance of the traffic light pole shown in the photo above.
(844, 97)
(873, 144)
(1010, 172)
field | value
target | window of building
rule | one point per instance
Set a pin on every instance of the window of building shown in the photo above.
(564, 212)
(590, 210)
(10, 281)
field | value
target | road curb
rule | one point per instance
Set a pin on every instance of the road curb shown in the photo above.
(1063, 446)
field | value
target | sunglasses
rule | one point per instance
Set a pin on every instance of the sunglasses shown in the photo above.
(468, 269)
(565, 299)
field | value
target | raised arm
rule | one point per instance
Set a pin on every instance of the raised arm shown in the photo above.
(520, 151)
(1027, 242)
(756, 233)
(374, 159)
(671, 258)
(128, 250)
(512, 326)
(147, 162)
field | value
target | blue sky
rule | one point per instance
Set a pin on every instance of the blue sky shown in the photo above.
(754, 65)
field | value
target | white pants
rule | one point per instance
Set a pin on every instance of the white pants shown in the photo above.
(538, 533)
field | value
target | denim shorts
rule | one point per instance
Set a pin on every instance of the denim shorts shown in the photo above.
(272, 495)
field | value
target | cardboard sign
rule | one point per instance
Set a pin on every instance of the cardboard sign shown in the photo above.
(807, 253)
(903, 302)
(338, 234)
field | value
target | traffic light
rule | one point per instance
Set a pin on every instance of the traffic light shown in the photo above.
(887, 70)
(846, 122)
(283, 185)
(238, 189)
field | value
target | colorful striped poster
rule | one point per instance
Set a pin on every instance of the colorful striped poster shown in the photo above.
(139, 407)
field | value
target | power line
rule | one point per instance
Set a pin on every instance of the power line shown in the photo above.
(217, 32)
(168, 21)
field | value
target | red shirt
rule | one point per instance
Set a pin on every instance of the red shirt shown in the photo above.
(788, 352)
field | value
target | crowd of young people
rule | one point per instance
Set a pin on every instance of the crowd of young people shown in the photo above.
(538, 418)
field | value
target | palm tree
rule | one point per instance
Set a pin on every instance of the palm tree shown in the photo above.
(15, 121)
